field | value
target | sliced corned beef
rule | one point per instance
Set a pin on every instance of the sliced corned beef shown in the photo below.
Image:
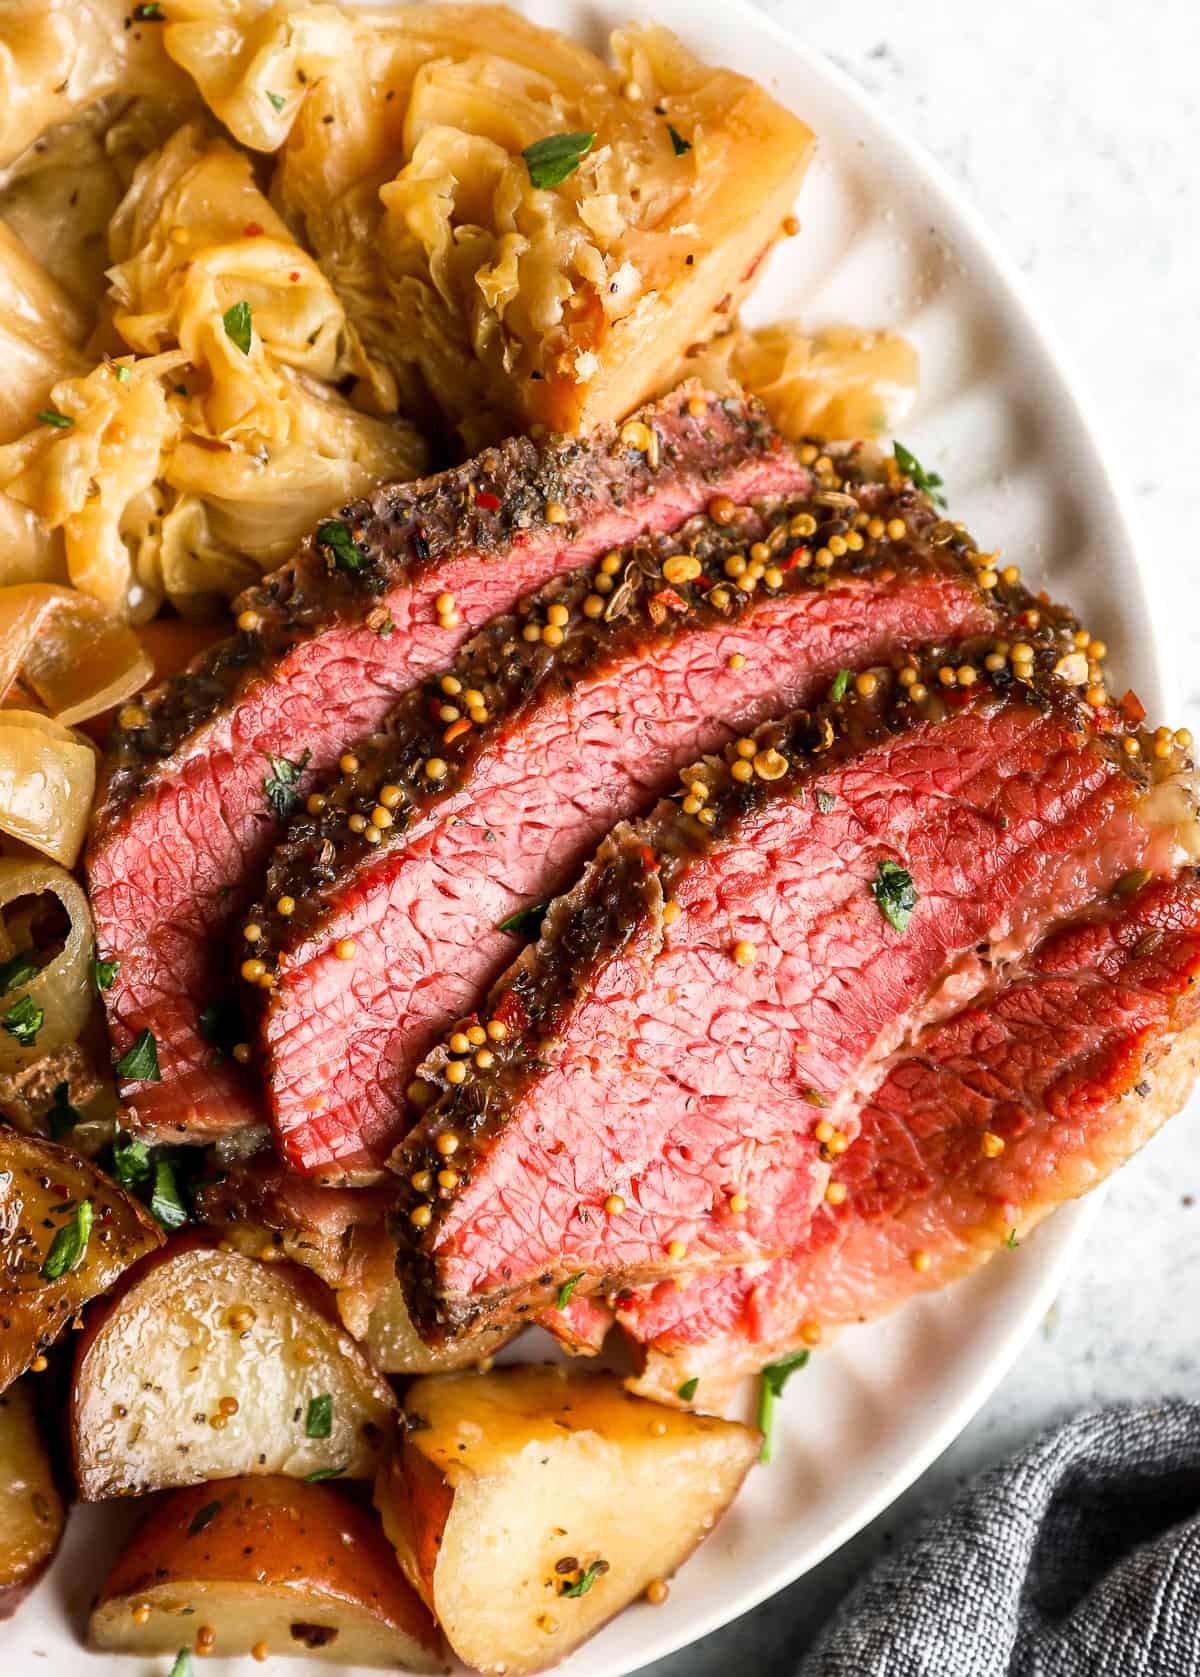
(201, 772)
(723, 982)
(1029, 1096)
(587, 703)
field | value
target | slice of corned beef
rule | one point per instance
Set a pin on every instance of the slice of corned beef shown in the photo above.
(202, 772)
(722, 983)
(994, 1116)
(587, 704)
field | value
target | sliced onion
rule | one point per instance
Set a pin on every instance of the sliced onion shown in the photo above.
(47, 780)
(68, 651)
(61, 989)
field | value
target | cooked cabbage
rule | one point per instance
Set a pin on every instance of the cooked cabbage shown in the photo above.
(67, 652)
(509, 305)
(47, 778)
(839, 383)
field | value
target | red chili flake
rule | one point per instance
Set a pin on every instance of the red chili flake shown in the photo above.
(513, 1012)
(793, 558)
(1131, 707)
(955, 697)
(294, 275)
(669, 597)
(485, 499)
(60, 1190)
(649, 859)
(252, 230)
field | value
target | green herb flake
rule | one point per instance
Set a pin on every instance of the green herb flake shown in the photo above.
(70, 1243)
(183, 1664)
(103, 973)
(61, 1116)
(840, 683)
(51, 416)
(140, 1064)
(318, 1423)
(277, 100)
(131, 1160)
(122, 374)
(814, 1097)
(239, 326)
(279, 787)
(567, 1288)
(1012, 1242)
(584, 1582)
(385, 627)
(525, 921)
(325, 1473)
(19, 969)
(825, 800)
(772, 1380)
(929, 483)
(24, 1020)
(166, 1202)
(202, 1518)
(895, 893)
(689, 1388)
(148, 12)
(335, 536)
(680, 146)
(553, 160)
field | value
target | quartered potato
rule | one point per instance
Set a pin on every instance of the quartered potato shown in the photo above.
(210, 1365)
(529, 1505)
(266, 1565)
(66, 1234)
(31, 1510)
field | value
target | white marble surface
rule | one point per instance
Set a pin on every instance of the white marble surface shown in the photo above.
(1072, 124)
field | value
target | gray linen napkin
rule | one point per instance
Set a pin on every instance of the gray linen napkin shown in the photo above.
(1080, 1557)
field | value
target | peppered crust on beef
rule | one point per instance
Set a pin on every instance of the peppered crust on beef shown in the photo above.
(199, 773)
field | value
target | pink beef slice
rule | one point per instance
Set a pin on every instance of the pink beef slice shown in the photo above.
(721, 983)
(1025, 1098)
(577, 735)
(200, 771)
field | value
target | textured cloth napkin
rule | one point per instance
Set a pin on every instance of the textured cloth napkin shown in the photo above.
(1078, 1558)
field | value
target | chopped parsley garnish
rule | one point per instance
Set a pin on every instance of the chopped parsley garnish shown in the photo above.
(771, 1383)
(895, 893)
(928, 482)
(584, 1582)
(238, 326)
(325, 1473)
(840, 683)
(318, 1423)
(61, 1115)
(19, 969)
(166, 1202)
(131, 1160)
(814, 1097)
(525, 921)
(140, 1064)
(688, 1390)
(24, 1020)
(70, 1243)
(1012, 1242)
(148, 12)
(277, 100)
(553, 160)
(123, 374)
(335, 536)
(280, 785)
(200, 1520)
(183, 1664)
(567, 1288)
(680, 145)
(103, 973)
(51, 416)
(825, 800)
(385, 627)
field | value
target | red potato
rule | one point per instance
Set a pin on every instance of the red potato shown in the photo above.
(208, 1365)
(42, 1187)
(31, 1510)
(264, 1565)
(529, 1505)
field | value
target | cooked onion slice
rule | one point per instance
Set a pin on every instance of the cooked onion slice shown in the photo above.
(47, 778)
(60, 989)
(68, 651)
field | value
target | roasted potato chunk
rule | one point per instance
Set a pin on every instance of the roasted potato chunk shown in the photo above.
(210, 1365)
(529, 1505)
(57, 1254)
(31, 1510)
(265, 1565)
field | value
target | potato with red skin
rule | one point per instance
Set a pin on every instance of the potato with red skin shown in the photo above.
(208, 1365)
(530, 1504)
(31, 1510)
(41, 1188)
(266, 1562)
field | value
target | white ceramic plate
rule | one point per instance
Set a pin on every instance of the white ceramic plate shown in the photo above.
(885, 242)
